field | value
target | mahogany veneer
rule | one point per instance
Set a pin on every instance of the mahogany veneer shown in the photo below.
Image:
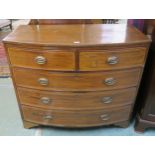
(76, 75)
(146, 96)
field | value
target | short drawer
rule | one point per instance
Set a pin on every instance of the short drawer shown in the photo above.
(42, 59)
(112, 59)
(76, 100)
(46, 80)
(83, 118)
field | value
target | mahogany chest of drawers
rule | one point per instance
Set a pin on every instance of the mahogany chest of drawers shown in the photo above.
(76, 75)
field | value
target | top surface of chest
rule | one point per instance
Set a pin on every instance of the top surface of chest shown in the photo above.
(76, 35)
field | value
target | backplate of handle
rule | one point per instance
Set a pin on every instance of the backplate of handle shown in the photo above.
(40, 60)
(43, 81)
(112, 60)
(105, 117)
(106, 100)
(45, 100)
(47, 117)
(110, 81)
(44, 116)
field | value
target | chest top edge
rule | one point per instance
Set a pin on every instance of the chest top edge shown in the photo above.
(77, 35)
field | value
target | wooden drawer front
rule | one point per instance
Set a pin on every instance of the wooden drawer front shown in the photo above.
(106, 60)
(49, 60)
(76, 118)
(68, 100)
(76, 81)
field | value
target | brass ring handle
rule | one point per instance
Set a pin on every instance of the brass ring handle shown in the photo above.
(48, 117)
(112, 60)
(43, 81)
(110, 81)
(106, 100)
(45, 100)
(105, 117)
(40, 60)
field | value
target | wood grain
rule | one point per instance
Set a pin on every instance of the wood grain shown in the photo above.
(55, 59)
(76, 81)
(76, 35)
(60, 21)
(75, 118)
(91, 60)
(76, 100)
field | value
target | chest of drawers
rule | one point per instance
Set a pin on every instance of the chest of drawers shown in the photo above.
(76, 75)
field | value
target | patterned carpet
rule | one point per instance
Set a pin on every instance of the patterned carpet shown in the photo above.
(4, 68)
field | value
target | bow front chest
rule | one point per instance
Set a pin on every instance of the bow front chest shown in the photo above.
(76, 75)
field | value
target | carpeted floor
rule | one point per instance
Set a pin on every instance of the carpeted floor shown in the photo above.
(11, 124)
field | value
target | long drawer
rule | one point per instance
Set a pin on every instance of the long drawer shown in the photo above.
(76, 100)
(76, 118)
(43, 59)
(111, 59)
(46, 80)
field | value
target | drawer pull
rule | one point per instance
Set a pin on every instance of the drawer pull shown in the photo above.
(41, 115)
(47, 117)
(106, 100)
(109, 81)
(105, 117)
(40, 60)
(45, 100)
(112, 60)
(43, 81)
